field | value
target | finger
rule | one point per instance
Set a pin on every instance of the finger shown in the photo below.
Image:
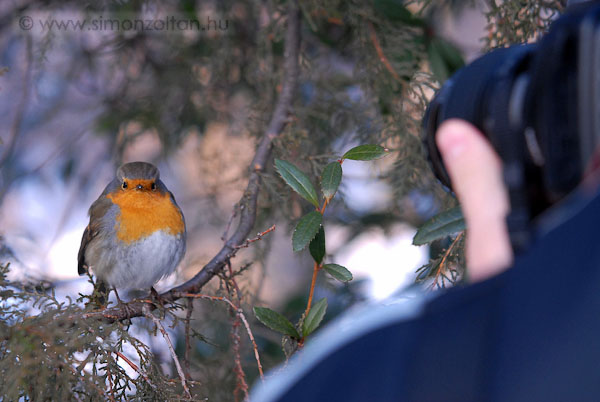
(476, 174)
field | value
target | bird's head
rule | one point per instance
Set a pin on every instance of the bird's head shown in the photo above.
(139, 176)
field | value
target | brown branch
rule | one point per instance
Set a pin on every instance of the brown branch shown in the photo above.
(248, 203)
(234, 290)
(240, 385)
(256, 355)
(258, 237)
(312, 289)
(188, 344)
(158, 324)
(229, 222)
(322, 210)
(110, 384)
(382, 57)
(440, 271)
(316, 267)
(135, 368)
(240, 313)
(230, 278)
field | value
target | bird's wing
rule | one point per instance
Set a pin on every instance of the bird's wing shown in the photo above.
(98, 209)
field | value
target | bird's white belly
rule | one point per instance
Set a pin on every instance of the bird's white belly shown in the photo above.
(141, 264)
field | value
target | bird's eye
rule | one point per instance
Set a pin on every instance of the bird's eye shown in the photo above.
(124, 185)
(153, 186)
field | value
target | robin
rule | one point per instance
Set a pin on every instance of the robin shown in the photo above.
(136, 233)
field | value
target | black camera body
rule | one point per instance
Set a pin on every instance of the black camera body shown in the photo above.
(539, 106)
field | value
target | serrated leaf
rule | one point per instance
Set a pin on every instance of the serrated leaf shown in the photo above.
(365, 152)
(276, 321)
(297, 180)
(314, 318)
(317, 246)
(441, 225)
(306, 230)
(330, 179)
(338, 272)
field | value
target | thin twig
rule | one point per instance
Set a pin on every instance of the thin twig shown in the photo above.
(258, 237)
(241, 384)
(382, 58)
(234, 290)
(188, 345)
(229, 222)
(256, 355)
(111, 395)
(243, 269)
(316, 266)
(231, 279)
(440, 270)
(158, 324)
(240, 312)
(312, 289)
(208, 297)
(322, 210)
(135, 368)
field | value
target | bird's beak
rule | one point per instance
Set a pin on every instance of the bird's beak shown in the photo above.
(139, 187)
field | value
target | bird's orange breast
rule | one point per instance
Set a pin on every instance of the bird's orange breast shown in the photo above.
(145, 212)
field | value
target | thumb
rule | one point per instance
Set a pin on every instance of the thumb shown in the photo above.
(476, 174)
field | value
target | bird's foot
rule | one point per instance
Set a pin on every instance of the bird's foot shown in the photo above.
(122, 304)
(156, 298)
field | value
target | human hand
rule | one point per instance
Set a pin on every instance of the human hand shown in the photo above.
(476, 173)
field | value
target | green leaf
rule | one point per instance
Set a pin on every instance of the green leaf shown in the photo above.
(276, 321)
(444, 58)
(338, 272)
(394, 10)
(297, 180)
(315, 316)
(330, 179)
(365, 153)
(441, 225)
(317, 246)
(306, 230)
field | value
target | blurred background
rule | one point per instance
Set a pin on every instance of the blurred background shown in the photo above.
(83, 89)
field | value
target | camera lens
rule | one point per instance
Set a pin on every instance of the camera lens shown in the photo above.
(479, 93)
